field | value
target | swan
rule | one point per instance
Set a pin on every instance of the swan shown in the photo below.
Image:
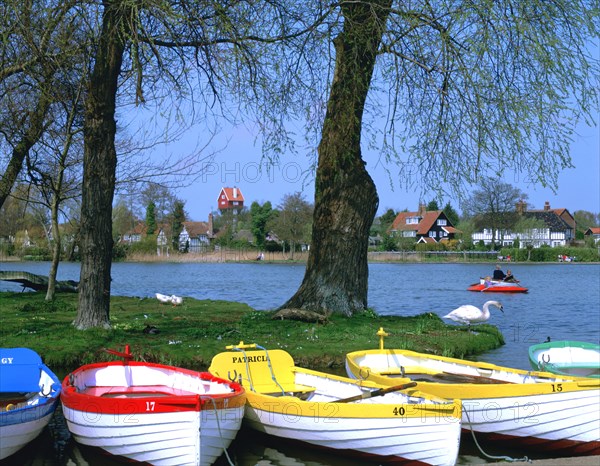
(163, 298)
(176, 300)
(469, 314)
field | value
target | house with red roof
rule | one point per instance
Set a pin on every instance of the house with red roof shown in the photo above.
(425, 226)
(230, 199)
(562, 213)
(593, 232)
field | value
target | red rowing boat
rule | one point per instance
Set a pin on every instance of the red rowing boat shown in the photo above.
(152, 413)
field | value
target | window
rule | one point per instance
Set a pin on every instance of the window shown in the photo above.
(432, 234)
(412, 220)
(442, 222)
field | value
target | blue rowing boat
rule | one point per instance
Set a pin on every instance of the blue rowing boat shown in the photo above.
(29, 394)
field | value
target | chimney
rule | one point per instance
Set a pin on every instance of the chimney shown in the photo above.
(546, 206)
(234, 192)
(521, 206)
(422, 209)
(210, 225)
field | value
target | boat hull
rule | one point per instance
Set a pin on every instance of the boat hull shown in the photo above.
(170, 438)
(26, 425)
(498, 288)
(152, 413)
(531, 409)
(394, 427)
(24, 413)
(568, 358)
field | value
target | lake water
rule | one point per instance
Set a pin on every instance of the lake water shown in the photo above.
(563, 303)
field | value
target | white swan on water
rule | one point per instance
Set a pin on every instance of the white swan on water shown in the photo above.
(468, 314)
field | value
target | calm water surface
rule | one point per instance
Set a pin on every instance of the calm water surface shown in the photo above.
(563, 303)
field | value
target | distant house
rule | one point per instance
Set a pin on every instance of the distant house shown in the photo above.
(593, 232)
(424, 226)
(230, 199)
(135, 234)
(163, 240)
(558, 229)
(547, 213)
(196, 236)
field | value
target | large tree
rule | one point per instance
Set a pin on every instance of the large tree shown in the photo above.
(159, 42)
(346, 199)
(494, 205)
(293, 221)
(469, 89)
(99, 165)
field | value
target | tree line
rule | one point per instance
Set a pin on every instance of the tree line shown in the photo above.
(285, 226)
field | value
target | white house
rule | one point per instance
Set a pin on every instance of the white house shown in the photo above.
(196, 236)
(558, 230)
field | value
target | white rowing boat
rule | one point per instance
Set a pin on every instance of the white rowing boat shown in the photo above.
(152, 413)
(322, 410)
(539, 410)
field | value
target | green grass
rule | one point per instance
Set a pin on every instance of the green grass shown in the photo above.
(191, 334)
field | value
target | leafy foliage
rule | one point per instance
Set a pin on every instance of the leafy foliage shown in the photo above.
(151, 218)
(261, 215)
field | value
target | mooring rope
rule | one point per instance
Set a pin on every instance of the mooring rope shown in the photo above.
(273, 378)
(221, 433)
(241, 350)
(505, 458)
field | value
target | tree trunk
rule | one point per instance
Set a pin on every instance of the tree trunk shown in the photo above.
(346, 200)
(99, 166)
(33, 132)
(56, 245)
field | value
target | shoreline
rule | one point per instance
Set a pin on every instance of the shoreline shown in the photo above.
(249, 256)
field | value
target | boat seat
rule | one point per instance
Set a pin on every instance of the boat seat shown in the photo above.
(136, 391)
(289, 390)
(269, 372)
(408, 370)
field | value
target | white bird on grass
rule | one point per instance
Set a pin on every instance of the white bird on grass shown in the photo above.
(468, 314)
(176, 300)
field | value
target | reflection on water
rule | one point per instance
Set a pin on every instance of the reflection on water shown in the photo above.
(562, 303)
(55, 447)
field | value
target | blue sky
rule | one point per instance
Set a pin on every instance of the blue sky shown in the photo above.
(239, 164)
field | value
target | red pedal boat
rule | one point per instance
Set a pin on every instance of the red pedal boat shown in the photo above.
(497, 286)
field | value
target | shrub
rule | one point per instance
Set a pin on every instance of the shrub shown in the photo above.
(146, 246)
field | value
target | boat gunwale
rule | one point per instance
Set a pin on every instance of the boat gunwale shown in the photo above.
(153, 403)
(541, 382)
(563, 367)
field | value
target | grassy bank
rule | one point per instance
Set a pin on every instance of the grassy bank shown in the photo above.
(190, 334)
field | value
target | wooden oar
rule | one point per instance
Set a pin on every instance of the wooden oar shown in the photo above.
(378, 392)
